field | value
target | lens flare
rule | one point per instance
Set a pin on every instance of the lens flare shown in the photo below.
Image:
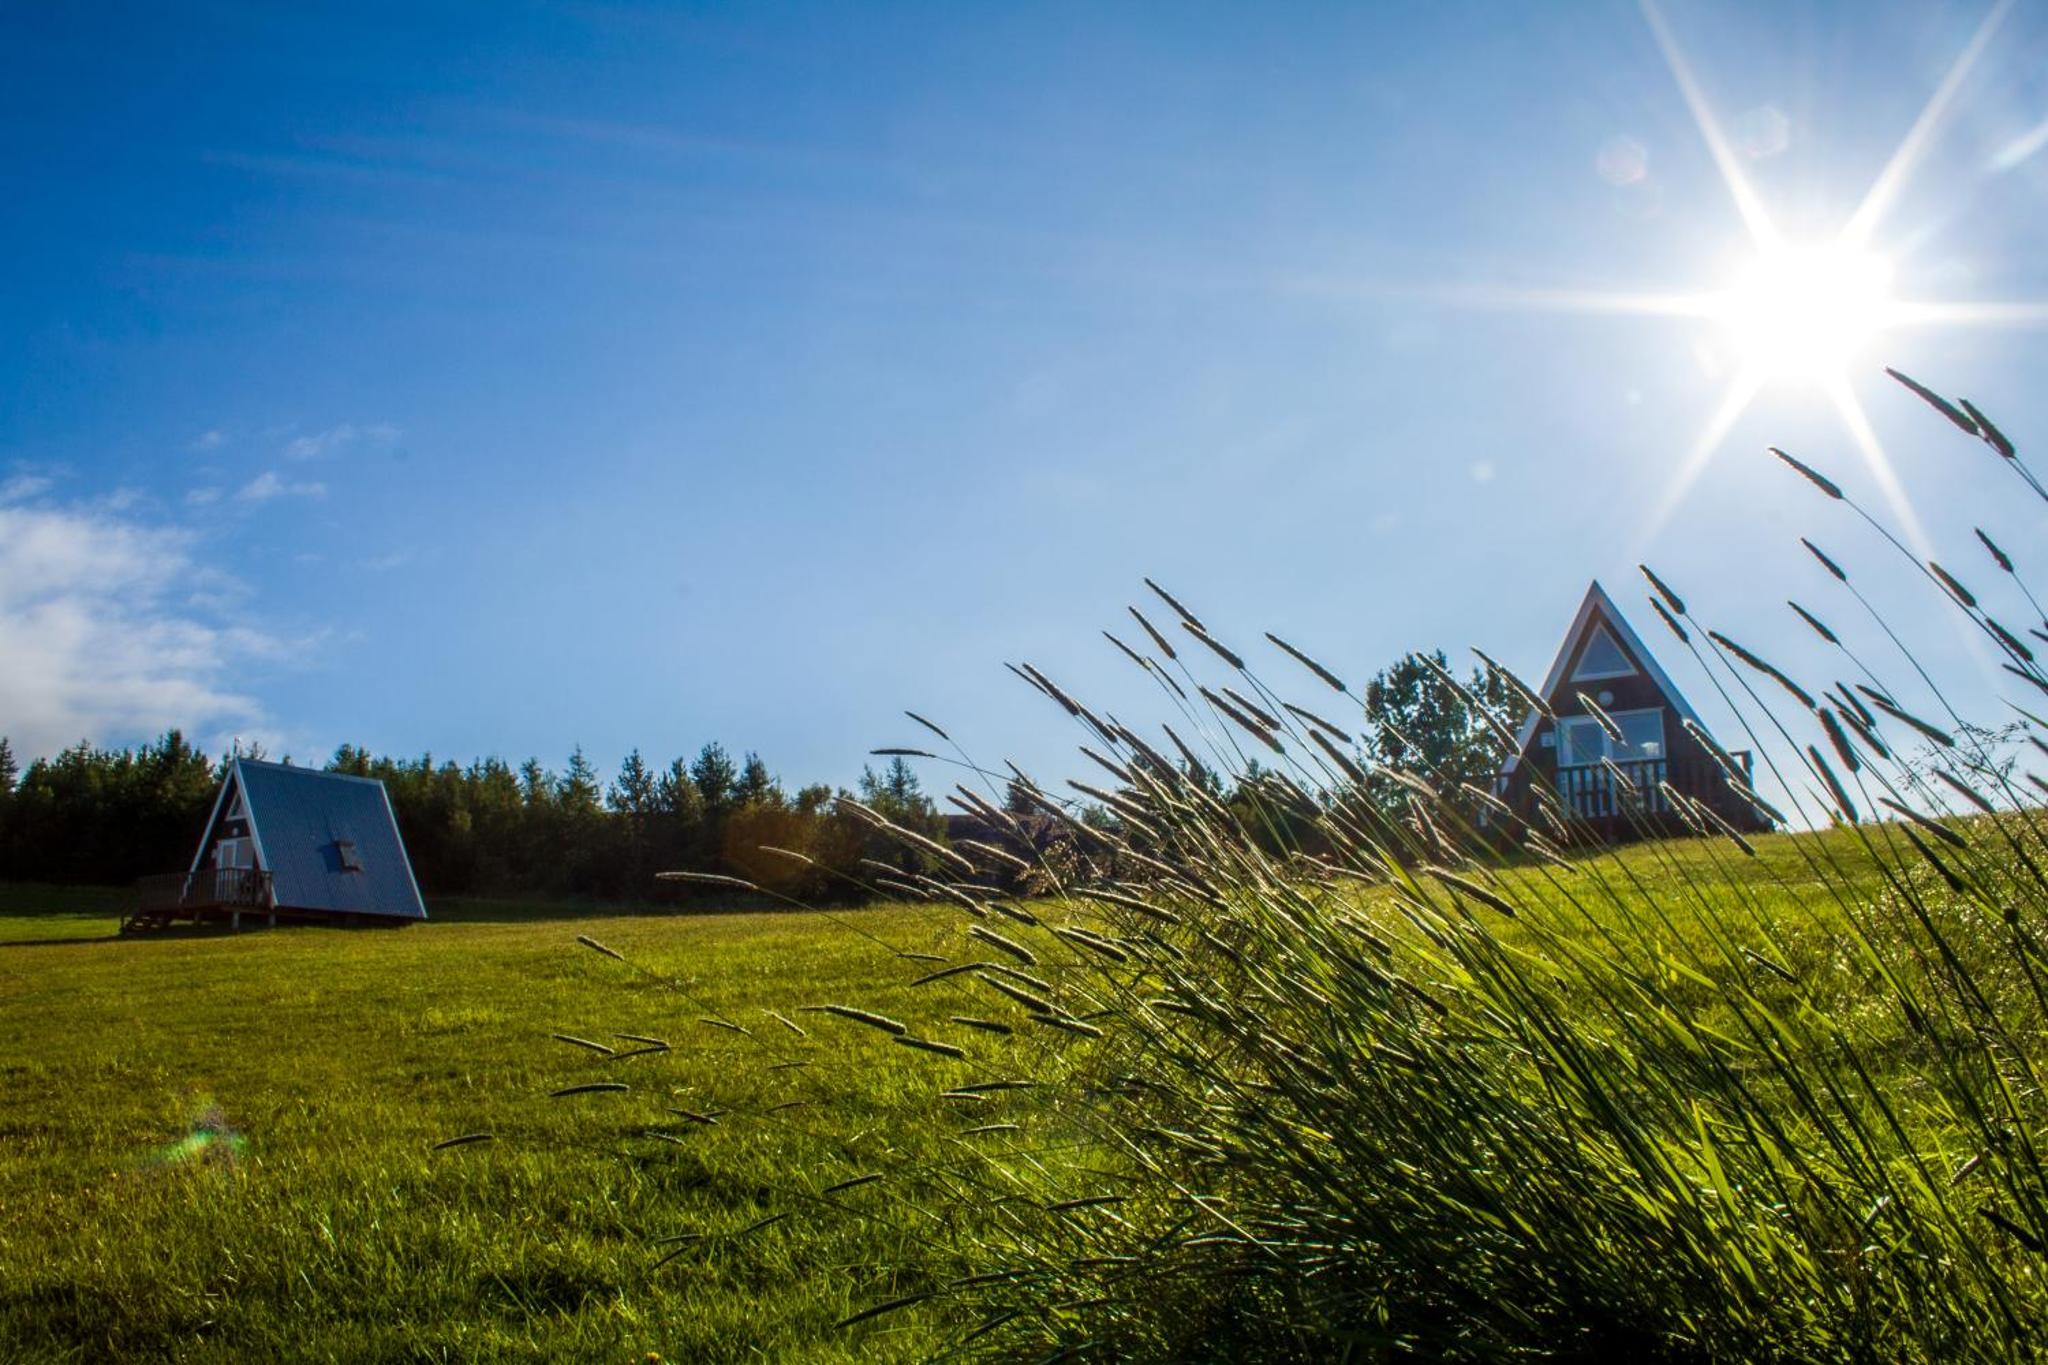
(209, 1138)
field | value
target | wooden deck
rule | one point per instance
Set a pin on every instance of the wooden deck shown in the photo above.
(210, 893)
(1614, 800)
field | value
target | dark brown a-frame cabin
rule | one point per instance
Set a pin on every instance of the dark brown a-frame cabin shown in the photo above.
(1610, 788)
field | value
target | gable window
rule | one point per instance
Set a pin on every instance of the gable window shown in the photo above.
(346, 856)
(1603, 658)
(233, 853)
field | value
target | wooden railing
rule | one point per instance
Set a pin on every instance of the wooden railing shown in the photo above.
(1604, 791)
(210, 888)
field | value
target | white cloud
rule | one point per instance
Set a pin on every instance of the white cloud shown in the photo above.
(397, 559)
(208, 440)
(1483, 471)
(202, 497)
(336, 439)
(268, 485)
(93, 643)
(22, 487)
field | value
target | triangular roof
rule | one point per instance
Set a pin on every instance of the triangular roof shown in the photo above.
(329, 841)
(1596, 611)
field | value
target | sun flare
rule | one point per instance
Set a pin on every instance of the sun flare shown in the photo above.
(1811, 314)
(1805, 314)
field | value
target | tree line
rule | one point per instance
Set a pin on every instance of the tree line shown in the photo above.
(108, 816)
(489, 828)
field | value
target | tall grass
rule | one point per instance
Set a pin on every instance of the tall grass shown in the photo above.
(1303, 1080)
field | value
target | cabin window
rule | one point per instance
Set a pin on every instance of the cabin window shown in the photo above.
(1603, 658)
(1582, 741)
(345, 854)
(233, 853)
(1642, 735)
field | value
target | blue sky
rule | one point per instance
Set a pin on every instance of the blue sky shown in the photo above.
(496, 379)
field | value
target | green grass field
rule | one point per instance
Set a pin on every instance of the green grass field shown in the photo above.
(222, 1146)
(219, 1146)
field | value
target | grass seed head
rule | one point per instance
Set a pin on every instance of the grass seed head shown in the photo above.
(860, 1016)
(1937, 402)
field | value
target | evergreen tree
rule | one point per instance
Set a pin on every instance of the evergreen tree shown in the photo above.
(351, 759)
(579, 790)
(679, 830)
(632, 792)
(633, 805)
(676, 794)
(755, 787)
(8, 774)
(536, 784)
(585, 861)
(899, 780)
(897, 796)
(715, 776)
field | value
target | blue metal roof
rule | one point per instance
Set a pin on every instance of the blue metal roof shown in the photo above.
(328, 840)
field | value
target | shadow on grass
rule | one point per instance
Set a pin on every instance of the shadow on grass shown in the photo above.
(58, 942)
(537, 912)
(177, 933)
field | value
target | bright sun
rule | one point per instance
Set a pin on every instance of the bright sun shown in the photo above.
(1806, 313)
(1809, 314)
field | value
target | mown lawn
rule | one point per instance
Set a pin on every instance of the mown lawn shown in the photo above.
(221, 1146)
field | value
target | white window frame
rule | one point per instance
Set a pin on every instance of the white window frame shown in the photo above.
(244, 850)
(1580, 674)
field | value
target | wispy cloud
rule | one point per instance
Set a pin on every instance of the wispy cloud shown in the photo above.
(397, 559)
(98, 638)
(202, 497)
(334, 440)
(2020, 149)
(269, 485)
(22, 487)
(211, 439)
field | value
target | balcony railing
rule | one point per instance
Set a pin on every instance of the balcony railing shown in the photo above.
(1610, 790)
(210, 888)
